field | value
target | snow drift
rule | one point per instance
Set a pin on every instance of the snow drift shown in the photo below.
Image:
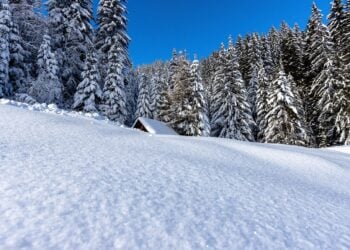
(81, 183)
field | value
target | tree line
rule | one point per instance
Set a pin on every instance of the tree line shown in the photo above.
(288, 86)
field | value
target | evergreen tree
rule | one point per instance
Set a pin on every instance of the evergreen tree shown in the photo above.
(284, 123)
(292, 53)
(131, 96)
(5, 27)
(174, 70)
(72, 37)
(200, 122)
(345, 42)
(232, 118)
(112, 29)
(336, 23)
(144, 102)
(262, 105)
(30, 24)
(182, 111)
(164, 111)
(114, 97)
(319, 50)
(320, 46)
(88, 92)
(47, 87)
(218, 96)
(253, 89)
(18, 74)
(274, 39)
(208, 67)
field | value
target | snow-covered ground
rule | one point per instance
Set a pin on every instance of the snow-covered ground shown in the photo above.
(71, 182)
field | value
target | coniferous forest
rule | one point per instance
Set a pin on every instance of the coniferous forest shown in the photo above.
(289, 86)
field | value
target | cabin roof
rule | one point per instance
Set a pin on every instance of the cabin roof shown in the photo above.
(154, 126)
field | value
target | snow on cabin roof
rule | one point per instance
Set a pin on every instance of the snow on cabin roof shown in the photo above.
(155, 127)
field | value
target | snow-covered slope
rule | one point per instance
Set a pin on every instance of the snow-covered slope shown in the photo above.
(78, 183)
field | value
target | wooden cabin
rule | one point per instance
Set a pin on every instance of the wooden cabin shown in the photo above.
(153, 127)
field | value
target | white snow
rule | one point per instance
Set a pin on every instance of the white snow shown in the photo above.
(155, 127)
(79, 183)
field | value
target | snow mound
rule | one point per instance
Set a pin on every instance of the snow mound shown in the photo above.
(70, 183)
(52, 109)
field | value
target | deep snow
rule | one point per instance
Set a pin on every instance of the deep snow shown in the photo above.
(67, 181)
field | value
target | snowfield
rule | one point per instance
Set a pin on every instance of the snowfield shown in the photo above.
(74, 182)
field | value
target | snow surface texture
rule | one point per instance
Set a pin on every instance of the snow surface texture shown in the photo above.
(79, 183)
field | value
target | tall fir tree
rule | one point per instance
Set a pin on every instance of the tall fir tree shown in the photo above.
(5, 29)
(182, 111)
(144, 102)
(345, 42)
(114, 96)
(18, 73)
(336, 23)
(164, 111)
(218, 95)
(47, 87)
(30, 23)
(88, 94)
(174, 71)
(200, 122)
(232, 118)
(71, 31)
(111, 30)
(262, 105)
(319, 50)
(284, 125)
(292, 53)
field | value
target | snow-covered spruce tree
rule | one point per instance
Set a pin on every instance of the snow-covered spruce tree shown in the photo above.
(232, 118)
(144, 102)
(262, 106)
(292, 53)
(284, 125)
(336, 23)
(320, 46)
(274, 38)
(245, 123)
(17, 71)
(72, 33)
(328, 95)
(182, 111)
(164, 105)
(31, 25)
(299, 103)
(188, 105)
(200, 123)
(174, 70)
(88, 94)
(159, 84)
(131, 90)
(242, 46)
(208, 67)
(47, 87)
(112, 27)
(114, 97)
(252, 95)
(5, 28)
(319, 49)
(253, 87)
(345, 42)
(218, 95)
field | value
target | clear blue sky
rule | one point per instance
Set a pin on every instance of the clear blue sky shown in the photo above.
(199, 26)
(158, 26)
